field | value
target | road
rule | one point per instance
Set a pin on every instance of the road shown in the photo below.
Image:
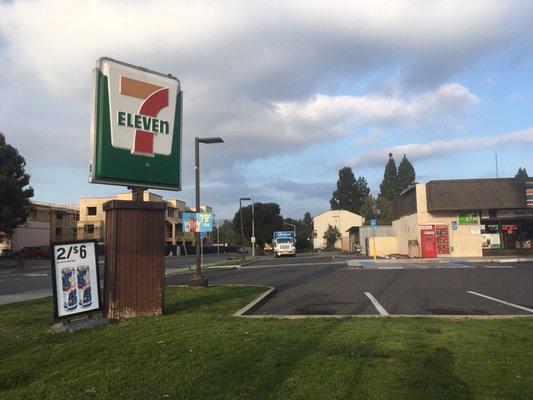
(323, 284)
(35, 280)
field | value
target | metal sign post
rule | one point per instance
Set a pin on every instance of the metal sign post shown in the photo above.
(373, 225)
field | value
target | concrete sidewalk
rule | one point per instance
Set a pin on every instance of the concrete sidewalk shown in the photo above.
(447, 260)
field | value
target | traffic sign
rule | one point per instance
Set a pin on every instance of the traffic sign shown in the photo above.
(253, 239)
(373, 223)
(454, 225)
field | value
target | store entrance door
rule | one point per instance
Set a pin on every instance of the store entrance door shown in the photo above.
(429, 245)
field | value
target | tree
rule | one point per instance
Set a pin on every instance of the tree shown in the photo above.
(228, 234)
(378, 208)
(15, 193)
(389, 187)
(267, 220)
(332, 234)
(307, 231)
(350, 193)
(406, 174)
(522, 173)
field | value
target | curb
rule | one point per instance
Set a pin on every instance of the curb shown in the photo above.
(360, 263)
(355, 316)
(256, 303)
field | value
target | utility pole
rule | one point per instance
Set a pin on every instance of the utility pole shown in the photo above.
(496, 158)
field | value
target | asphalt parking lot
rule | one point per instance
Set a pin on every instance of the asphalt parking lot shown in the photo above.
(325, 285)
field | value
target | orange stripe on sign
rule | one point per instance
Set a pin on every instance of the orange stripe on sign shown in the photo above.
(134, 88)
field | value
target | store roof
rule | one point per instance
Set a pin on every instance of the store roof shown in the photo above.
(475, 194)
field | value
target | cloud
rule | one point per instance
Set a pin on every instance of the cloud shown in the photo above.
(424, 151)
(265, 76)
(378, 109)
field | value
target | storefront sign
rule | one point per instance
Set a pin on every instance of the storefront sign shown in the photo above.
(529, 194)
(135, 127)
(75, 278)
(197, 222)
(468, 219)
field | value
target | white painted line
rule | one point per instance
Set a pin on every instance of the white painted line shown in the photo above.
(378, 306)
(498, 266)
(390, 267)
(501, 301)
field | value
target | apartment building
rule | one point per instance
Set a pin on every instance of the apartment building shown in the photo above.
(91, 224)
(47, 223)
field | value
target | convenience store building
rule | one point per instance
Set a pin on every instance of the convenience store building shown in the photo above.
(465, 218)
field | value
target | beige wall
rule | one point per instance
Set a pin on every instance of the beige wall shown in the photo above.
(343, 219)
(384, 245)
(464, 242)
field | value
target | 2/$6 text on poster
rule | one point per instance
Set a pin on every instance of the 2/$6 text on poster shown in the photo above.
(76, 278)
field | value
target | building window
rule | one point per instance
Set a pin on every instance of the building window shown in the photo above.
(315, 234)
(59, 215)
(91, 210)
(88, 229)
(336, 221)
(180, 214)
(59, 231)
(170, 212)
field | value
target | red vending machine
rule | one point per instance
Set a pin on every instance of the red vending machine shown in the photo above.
(428, 242)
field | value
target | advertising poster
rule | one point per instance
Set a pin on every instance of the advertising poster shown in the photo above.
(75, 278)
(197, 222)
(490, 240)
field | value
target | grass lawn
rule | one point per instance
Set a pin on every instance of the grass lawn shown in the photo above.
(199, 351)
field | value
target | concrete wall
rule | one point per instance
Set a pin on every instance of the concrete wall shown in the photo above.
(343, 219)
(380, 231)
(464, 242)
(384, 245)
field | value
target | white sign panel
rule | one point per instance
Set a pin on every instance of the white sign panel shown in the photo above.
(75, 278)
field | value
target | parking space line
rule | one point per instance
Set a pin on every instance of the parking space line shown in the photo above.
(385, 268)
(498, 266)
(376, 304)
(501, 301)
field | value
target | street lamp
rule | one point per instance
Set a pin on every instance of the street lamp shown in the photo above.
(253, 224)
(293, 227)
(198, 279)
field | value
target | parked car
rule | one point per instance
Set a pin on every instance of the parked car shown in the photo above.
(33, 252)
(6, 253)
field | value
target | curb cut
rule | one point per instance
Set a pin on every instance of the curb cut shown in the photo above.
(256, 303)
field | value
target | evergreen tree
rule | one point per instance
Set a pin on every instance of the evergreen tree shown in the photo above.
(332, 234)
(15, 193)
(406, 174)
(350, 193)
(522, 173)
(389, 187)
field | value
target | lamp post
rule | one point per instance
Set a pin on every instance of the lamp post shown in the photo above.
(198, 279)
(293, 227)
(253, 223)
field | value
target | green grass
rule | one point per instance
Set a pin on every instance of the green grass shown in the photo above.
(199, 351)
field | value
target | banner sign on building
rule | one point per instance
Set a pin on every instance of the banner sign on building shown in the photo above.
(468, 218)
(135, 127)
(197, 222)
(284, 234)
(529, 194)
(75, 278)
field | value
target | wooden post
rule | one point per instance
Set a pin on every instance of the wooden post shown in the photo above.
(134, 258)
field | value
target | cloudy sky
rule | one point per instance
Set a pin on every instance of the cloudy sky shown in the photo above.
(297, 90)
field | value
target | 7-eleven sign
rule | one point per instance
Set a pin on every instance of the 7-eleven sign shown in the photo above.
(136, 127)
